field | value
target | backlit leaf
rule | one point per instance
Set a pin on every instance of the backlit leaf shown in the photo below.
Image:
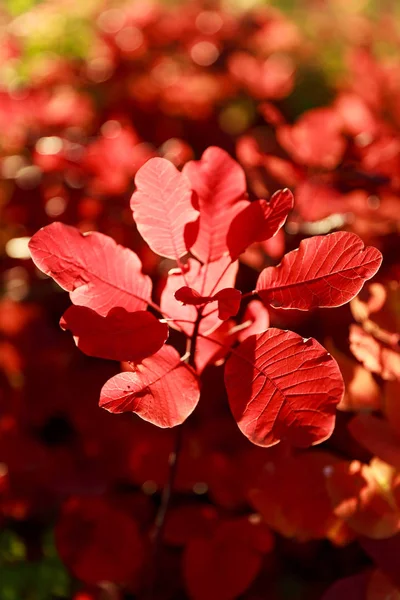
(259, 221)
(162, 390)
(376, 356)
(96, 271)
(220, 186)
(281, 386)
(117, 336)
(324, 271)
(162, 208)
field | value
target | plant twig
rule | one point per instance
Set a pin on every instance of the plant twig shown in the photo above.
(159, 522)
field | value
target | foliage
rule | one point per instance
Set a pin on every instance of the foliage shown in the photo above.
(204, 190)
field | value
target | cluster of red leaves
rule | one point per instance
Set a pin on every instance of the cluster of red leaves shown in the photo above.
(341, 160)
(157, 81)
(191, 336)
(280, 386)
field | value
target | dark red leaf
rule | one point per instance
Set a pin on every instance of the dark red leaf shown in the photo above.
(117, 336)
(281, 386)
(324, 271)
(220, 185)
(162, 390)
(350, 588)
(299, 476)
(96, 271)
(189, 521)
(376, 435)
(98, 542)
(162, 208)
(187, 295)
(386, 554)
(223, 565)
(228, 303)
(259, 221)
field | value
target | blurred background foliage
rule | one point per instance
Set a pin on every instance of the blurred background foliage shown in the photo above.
(66, 27)
(35, 34)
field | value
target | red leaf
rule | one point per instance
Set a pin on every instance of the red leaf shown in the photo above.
(259, 221)
(189, 521)
(209, 351)
(228, 303)
(223, 565)
(362, 392)
(384, 553)
(206, 280)
(162, 390)
(220, 185)
(162, 208)
(381, 588)
(98, 542)
(354, 588)
(376, 435)
(373, 354)
(187, 295)
(315, 139)
(96, 271)
(228, 300)
(302, 477)
(362, 495)
(324, 271)
(117, 336)
(281, 386)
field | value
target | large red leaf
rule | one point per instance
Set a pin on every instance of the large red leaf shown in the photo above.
(259, 221)
(324, 271)
(281, 386)
(220, 185)
(206, 280)
(118, 336)
(96, 271)
(162, 208)
(162, 390)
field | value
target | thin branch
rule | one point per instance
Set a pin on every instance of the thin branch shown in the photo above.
(159, 523)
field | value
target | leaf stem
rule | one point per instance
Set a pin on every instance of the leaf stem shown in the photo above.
(159, 522)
